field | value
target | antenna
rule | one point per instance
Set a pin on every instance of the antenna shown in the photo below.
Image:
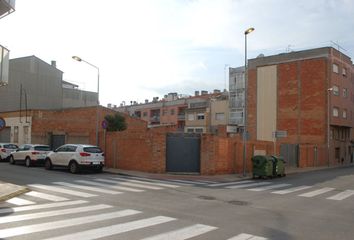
(338, 46)
(225, 79)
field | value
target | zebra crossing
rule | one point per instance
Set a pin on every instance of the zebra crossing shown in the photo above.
(49, 221)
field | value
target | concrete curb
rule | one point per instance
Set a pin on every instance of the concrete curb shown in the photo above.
(9, 190)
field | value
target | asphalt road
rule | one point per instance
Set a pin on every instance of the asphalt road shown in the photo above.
(312, 205)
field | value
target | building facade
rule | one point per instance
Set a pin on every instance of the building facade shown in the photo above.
(237, 96)
(308, 94)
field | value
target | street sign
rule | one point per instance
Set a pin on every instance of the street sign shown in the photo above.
(104, 124)
(2, 123)
(280, 134)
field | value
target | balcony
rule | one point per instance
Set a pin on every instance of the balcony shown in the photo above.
(181, 117)
(155, 119)
(6, 7)
(198, 105)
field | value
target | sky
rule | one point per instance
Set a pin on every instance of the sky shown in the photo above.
(148, 48)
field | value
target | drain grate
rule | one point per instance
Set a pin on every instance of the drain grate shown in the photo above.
(206, 197)
(238, 203)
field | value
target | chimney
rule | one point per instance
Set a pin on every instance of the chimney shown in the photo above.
(54, 63)
(196, 93)
(109, 105)
(217, 91)
(146, 100)
(204, 92)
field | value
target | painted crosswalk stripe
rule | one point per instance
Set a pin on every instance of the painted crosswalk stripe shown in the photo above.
(206, 181)
(83, 187)
(342, 195)
(245, 236)
(17, 231)
(316, 192)
(19, 201)
(249, 185)
(110, 186)
(184, 233)
(230, 183)
(41, 206)
(148, 182)
(159, 181)
(128, 184)
(291, 190)
(53, 213)
(62, 190)
(115, 229)
(275, 186)
(186, 181)
(46, 196)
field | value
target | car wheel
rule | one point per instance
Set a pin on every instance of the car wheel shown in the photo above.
(12, 160)
(28, 162)
(48, 164)
(73, 167)
(0, 159)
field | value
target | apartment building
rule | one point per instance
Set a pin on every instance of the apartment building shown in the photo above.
(200, 113)
(237, 96)
(310, 95)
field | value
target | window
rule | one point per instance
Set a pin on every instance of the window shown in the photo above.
(335, 112)
(199, 130)
(344, 72)
(172, 112)
(200, 116)
(164, 112)
(220, 116)
(335, 90)
(190, 117)
(345, 92)
(335, 68)
(344, 113)
(144, 114)
(336, 153)
(190, 130)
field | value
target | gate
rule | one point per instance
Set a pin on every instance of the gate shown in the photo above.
(290, 152)
(5, 135)
(183, 152)
(57, 141)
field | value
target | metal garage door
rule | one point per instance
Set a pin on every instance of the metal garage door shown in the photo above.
(183, 152)
(57, 141)
(290, 152)
(5, 135)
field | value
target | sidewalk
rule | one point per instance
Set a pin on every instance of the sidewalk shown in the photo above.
(8, 190)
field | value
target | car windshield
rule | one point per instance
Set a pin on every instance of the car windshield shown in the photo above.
(42, 148)
(92, 149)
(10, 146)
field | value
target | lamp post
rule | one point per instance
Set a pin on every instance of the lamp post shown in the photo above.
(329, 90)
(98, 90)
(245, 135)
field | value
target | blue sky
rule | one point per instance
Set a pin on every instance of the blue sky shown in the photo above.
(147, 48)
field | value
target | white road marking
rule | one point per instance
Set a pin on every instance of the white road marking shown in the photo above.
(291, 190)
(115, 229)
(110, 186)
(17, 231)
(19, 201)
(52, 213)
(316, 192)
(158, 181)
(184, 233)
(128, 184)
(83, 187)
(147, 182)
(41, 206)
(46, 196)
(230, 183)
(342, 195)
(62, 190)
(249, 185)
(269, 187)
(186, 181)
(245, 236)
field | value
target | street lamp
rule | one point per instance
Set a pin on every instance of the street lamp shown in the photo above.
(245, 135)
(329, 90)
(98, 90)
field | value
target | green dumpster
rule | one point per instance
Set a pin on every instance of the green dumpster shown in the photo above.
(278, 166)
(262, 166)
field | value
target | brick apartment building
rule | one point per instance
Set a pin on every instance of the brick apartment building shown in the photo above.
(309, 94)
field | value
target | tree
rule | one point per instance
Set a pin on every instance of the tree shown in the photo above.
(115, 122)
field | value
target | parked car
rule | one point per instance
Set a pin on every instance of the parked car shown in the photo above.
(76, 157)
(30, 154)
(6, 149)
